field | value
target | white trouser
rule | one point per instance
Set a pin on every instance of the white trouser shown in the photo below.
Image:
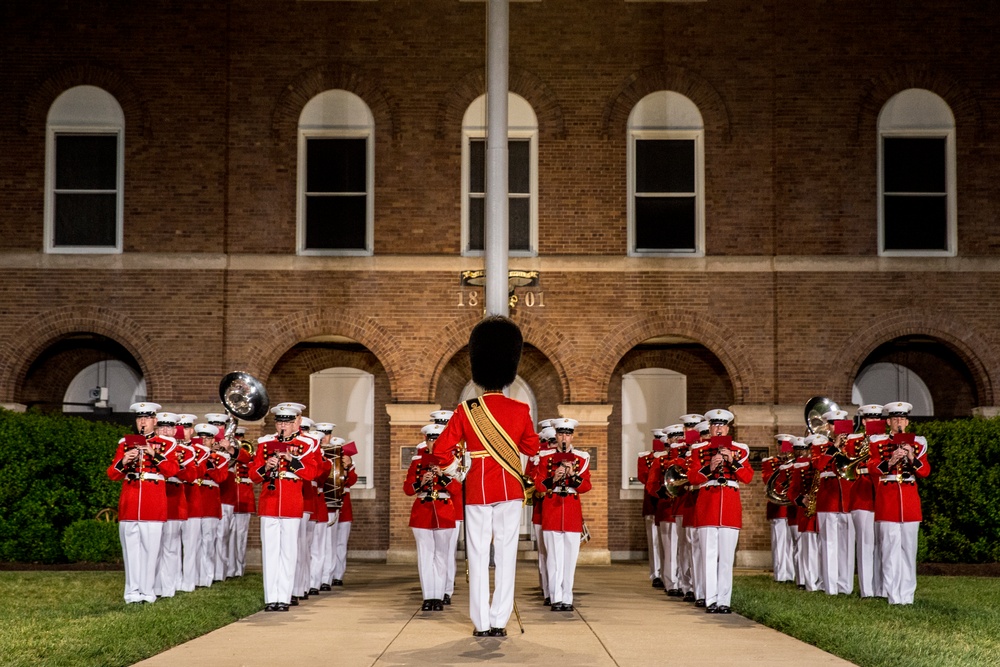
(563, 549)
(718, 552)
(543, 567)
(241, 528)
(836, 551)
(209, 548)
(869, 565)
(684, 582)
(898, 543)
(140, 549)
(653, 549)
(222, 531)
(697, 563)
(667, 535)
(432, 556)
(793, 530)
(227, 534)
(809, 560)
(449, 582)
(318, 545)
(302, 567)
(781, 550)
(331, 547)
(342, 533)
(279, 545)
(168, 565)
(499, 522)
(191, 544)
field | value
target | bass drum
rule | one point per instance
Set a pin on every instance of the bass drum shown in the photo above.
(333, 489)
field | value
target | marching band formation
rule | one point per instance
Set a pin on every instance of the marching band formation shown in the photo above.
(188, 494)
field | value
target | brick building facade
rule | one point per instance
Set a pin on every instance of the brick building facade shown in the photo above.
(789, 293)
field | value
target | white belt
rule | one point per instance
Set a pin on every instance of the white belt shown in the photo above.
(440, 495)
(714, 482)
(897, 478)
(174, 480)
(245, 480)
(563, 489)
(151, 476)
(207, 482)
(289, 475)
(826, 474)
(314, 483)
(863, 471)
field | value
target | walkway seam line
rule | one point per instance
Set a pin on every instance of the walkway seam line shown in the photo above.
(392, 641)
(598, 637)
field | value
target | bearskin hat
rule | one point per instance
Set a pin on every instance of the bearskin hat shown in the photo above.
(495, 352)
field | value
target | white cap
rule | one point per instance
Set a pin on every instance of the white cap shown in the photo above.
(817, 439)
(691, 420)
(785, 437)
(674, 430)
(287, 408)
(441, 416)
(307, 423)
(702, 427)
(799, 442)
(545, 423)
(835, 415)
(187, 419)
(897, 409)
(206, 429)
(870, 410)
(285, 414)
(547, 433)
(240, 430)
(166, 419)
(658, 433)
(337, 442)
(324, 427)
(433, 429)
(719, 416)
(145, 409)
(216, 418)
(564, 424)
(298, 406)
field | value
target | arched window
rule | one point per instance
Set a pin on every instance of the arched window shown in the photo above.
(666, 174)
(916, 158)
(346, 397)
(336, 175)
(885, 382)
(84, 175)
(651, 398)
(522, 175)
(112, 385)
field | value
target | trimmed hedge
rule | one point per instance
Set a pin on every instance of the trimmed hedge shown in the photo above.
(92, 541)
(961, 497)
(52, 473)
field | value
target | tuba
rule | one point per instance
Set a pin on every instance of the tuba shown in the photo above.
(675, 481)
(816, 407)
(244, 397)
(778, 497)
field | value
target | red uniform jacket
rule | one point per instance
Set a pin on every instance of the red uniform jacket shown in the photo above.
(896, 497)
(245, 501)
(144, 492)
(718, 502)
(309, 497)
(177, 507)
(643, 466)
(834, 494)
(281, 490)
(229, 486)
(487, 482)
(768, 466)
(321, 513)
(863, 490)
(214, 467)
(799, 483)
(529, 470)
(346, 513)
(664, 503)
(562, 499)
(428, 512)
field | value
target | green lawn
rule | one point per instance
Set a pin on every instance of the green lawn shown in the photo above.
(953, 621)
(79, 618)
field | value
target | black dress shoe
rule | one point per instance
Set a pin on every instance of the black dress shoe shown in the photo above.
(802, 587)
(498, 632)
(447, 600)
(557, 606)
(675, 593)
(304, 596)
(548, 602)
(657, 583)
(270, 606)
(712, 609)
(338, 582)
(481, 633)
(295, 601)
(428, 605)
(689, 597)
(723, 609)
(281, 606)
(438, 605)
(324, 587)
(699, 603)
(567, 607)
(313, 591)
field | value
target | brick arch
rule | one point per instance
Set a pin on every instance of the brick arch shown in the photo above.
(37, 103)
(310, 83)
(710, 103)
(878, 90)
(521, 81)
(968, 343)
(455, 335)
(17, 355)
(270, 344)
(723, 342)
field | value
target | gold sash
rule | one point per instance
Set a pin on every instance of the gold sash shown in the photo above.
(498, 443)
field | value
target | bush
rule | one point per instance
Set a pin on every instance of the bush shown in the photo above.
(52, 473)
(92, 541)
(961, 497)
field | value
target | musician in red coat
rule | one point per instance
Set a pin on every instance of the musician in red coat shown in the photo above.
(833, 505)
(799, 484)
(684, 510)
(246, 502)
(546, 439)
(281, 465)
(439, 418)
(719, 467)
(341, 532)
(666, 505)
(432, 518)
(897, 461)
(644, 463)
(319, 541)
(495, 486)
(213, 467)
(700, 434)
(168, 563)
(141, 463)
(782, 549)
(862, 506)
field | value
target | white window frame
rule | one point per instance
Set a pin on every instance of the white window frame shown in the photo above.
(916, 131)
(83, 124)
(474, 130)
(351, 130)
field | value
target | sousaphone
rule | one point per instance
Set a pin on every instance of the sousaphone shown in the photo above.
(244, 397)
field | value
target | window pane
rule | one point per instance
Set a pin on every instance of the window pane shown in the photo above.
(519, 229)
(85, 220)
(336, 223)
(86, 162)
(477, 222)
(519, 167)
(665, 223)
(916, 223)
(664, 165)
(914, 165)
(336, 165)
(477, 166)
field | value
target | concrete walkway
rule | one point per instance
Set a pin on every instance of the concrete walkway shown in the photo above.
(375, 620)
